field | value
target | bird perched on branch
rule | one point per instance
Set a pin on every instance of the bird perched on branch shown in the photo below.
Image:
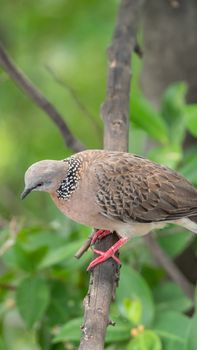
(115, 191)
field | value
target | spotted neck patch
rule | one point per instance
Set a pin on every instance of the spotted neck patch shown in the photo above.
(70, 183)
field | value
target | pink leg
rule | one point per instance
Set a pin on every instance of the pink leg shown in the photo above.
(110, 253)
(99, 234)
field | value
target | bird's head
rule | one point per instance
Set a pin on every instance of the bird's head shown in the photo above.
(45, 175)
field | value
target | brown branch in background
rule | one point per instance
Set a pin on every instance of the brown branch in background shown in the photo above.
(172, 270)
(41, 101)
(84, 247)
(7, 286)
(81, 106)
(115, 111)
(175, 3)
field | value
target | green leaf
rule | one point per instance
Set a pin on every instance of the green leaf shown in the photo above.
(118, 333)
(133, 310)
(137, 141)
(70, 331)
(115, 347)
(172, 327)
(16, 256)
(147, 340)
(60, 254)
(32, 238)
(169, 296)
(195, 299)
(189, 169)
(173, 102)
(169, 156)
(145, 117)
(191, 118)
(153, 275)
(173, 110)
(32, 298)
(174, 243)
(133, 286)
(25, 260)
(2, 344)
(62, 298)
(191, 340)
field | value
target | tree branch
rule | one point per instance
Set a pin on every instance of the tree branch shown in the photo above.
(169, 266)
(115, 113)
(84, 246)
(7, 286)
(41, 101)
(81, 106)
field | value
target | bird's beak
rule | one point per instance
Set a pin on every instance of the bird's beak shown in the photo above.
(26, 192)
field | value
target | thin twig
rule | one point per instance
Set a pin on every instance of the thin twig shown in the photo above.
(41, 101)
(81, 106)
(83, 248)
(172, 270)
(7, 286)
(6, 246)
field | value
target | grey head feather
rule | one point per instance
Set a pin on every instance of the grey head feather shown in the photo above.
(44, 176)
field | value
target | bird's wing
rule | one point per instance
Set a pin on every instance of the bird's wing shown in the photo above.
(133, 188)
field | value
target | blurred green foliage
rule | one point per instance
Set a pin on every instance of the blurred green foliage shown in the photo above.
(41, 285)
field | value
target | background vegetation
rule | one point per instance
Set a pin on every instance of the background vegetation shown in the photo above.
(41, 284)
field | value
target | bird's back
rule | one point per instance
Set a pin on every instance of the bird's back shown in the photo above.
(117, 190)
(131, 188)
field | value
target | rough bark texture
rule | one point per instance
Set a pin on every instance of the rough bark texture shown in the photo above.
(97, 302)
(115, 109)
(115, 113)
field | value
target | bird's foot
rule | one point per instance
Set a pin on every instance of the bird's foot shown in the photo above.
(110, 253)
(99, 234)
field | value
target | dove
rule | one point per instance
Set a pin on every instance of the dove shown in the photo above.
(115, 191)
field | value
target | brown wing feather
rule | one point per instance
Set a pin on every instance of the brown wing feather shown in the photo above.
(133, 188)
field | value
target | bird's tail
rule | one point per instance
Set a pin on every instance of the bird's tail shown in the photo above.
(193, 218)
(190, 223)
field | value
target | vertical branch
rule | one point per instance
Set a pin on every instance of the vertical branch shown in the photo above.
(115, 109)
(115, 113)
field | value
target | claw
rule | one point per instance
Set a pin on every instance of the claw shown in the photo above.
(99, 234)
(110, 253)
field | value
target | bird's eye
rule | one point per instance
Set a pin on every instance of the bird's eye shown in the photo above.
(40, 184)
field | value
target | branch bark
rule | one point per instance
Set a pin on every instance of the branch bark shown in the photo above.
(115, 111)
(40, 100)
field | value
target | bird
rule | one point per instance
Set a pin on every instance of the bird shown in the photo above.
(115, 191)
